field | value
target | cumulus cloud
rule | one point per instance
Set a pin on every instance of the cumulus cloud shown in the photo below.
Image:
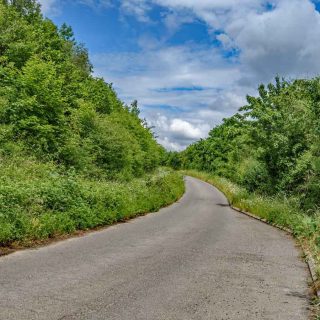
(53, 7)
(182, 129)
(269, 39)
(215, 12)
(137, 8)
(196, 86)
(96, 5)
(154, 75)
(167, 77)
(278, 38)
(176, 134)
(283, 41)
(180, 82)
(49, 6)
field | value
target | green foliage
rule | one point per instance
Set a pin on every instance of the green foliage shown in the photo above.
(266, 158)
(253, 174)
(72, 155)
(173, 160)
(52, 105)
(271, 146)
(42, 200)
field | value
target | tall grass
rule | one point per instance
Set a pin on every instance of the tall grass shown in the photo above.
(40, 200)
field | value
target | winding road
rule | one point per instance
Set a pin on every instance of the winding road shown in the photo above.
(197, 259)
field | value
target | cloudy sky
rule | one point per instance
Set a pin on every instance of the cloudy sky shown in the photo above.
(190, 63)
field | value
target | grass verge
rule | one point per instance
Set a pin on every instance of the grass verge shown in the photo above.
(38, 201)
(282, 212)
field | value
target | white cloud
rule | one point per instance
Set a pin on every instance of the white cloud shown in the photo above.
(176, 134)
(284, 41)
(169, 144)
(278, 39)
(53, 7)
(137, 8)
(174, 82)
(215, 12)
(96, 4)
(151, 74)
(49, 6)
(185, 130)
(282, 38)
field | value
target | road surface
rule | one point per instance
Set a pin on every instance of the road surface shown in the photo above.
(197, 259)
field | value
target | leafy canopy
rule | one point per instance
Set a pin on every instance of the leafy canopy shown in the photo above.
(55, 109)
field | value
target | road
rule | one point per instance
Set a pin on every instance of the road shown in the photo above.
(197, 259)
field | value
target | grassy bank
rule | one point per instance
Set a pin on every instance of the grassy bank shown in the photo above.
(40, 201)
(280, 211)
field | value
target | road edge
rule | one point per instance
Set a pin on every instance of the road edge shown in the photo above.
(38, 244)
(308, 258)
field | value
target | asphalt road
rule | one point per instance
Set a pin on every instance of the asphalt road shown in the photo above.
(197, 259)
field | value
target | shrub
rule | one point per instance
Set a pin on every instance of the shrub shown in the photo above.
(41, 200)
(253, 175)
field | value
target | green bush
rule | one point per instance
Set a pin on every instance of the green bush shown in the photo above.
(253, 175)
(53, 108)
(42, 200)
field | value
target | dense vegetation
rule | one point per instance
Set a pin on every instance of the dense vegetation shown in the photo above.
(52, 108)
(271, 146)
(266, 157)
(72, 155)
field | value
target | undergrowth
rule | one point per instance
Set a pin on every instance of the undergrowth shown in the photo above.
(40, 200)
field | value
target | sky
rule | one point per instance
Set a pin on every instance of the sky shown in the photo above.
(191, 63)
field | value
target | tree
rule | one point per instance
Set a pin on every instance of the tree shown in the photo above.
(54, 107)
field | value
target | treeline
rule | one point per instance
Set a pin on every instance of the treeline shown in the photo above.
(53, 108)
(271, 146)
(72, 155)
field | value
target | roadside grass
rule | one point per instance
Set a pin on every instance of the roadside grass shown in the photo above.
(315, 308)
(279, 211)
(39, 201)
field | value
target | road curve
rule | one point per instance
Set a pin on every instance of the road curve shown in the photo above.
(197, 259)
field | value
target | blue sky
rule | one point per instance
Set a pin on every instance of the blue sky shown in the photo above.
(191, 63)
